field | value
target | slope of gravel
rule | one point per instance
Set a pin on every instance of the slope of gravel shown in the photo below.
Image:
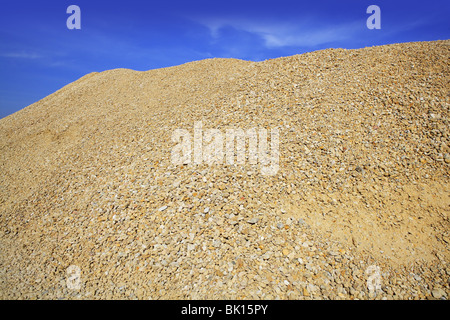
(361, 196)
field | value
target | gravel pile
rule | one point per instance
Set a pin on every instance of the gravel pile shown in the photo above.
(92, 207)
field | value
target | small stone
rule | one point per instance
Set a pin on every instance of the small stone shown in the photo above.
(253, 220)
(280, 225)
(417, 277)
(307, 244)
(447, 158)
(267, 255)
(162, 208)
(438, 293)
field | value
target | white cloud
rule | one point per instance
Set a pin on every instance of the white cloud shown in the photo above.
(304, 33)
(20, 55)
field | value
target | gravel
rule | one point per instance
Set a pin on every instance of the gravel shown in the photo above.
(361, 196)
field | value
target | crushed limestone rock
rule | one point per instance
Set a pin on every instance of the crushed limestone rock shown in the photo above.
(89, 195)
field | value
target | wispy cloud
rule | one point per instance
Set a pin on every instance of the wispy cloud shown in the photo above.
(309, 31)
(20, 55)
(44, 59)
(276, 34)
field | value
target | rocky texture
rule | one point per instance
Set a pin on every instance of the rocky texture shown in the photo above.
(87, 180)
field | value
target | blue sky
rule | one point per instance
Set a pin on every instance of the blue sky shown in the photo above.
(39, 54)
